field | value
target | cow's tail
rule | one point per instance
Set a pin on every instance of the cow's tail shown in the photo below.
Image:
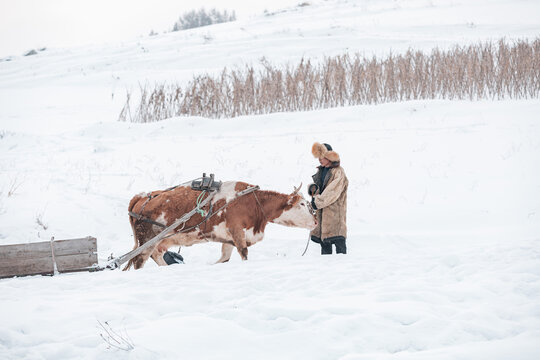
(132, 220)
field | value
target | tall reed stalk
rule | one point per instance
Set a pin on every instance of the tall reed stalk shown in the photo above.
(481, 71)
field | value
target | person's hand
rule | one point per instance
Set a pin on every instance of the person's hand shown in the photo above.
(312, 189)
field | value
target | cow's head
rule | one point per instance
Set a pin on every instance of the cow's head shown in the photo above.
(298, 212)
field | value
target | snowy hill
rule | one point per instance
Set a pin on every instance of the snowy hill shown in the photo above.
(443, 216)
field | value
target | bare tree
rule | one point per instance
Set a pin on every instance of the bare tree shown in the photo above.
(197, 18)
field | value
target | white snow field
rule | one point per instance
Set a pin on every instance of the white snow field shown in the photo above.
(444, 199)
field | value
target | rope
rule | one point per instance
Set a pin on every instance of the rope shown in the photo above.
(182, 184)
(199, 200)
(308, 240)
(55, 267)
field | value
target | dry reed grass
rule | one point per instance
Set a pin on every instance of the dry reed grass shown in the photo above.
(481, 71)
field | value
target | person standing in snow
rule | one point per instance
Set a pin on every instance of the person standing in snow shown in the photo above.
(329, 199)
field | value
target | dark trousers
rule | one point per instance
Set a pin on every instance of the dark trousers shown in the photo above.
(326, 244)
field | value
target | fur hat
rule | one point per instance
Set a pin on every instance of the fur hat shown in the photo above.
(324, 151)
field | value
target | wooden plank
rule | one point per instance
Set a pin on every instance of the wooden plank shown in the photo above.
(86, 260)
(36, 258)
(43, 249)
(75, 262)
(24, 262)
(25, 251)
(75, 246)
(28, 267)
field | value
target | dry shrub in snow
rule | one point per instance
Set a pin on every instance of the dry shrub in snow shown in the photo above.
(481, 71)
(115, 339)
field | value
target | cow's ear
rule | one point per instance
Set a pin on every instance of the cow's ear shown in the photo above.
(294, 199)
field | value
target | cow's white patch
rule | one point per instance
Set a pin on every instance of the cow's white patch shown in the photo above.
(185, 239)
(220, 231)
(251, 237)
(221, 212)
(297, 216)
(227, 192)
(160, 219)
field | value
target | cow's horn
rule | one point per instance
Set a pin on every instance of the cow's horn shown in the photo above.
(297, 189)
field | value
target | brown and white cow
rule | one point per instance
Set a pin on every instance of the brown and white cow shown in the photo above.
(240, 224)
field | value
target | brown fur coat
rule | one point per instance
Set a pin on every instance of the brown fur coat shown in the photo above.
(332, 205)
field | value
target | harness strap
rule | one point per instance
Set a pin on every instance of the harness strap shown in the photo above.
(199, 210)
(182, 230)
(211, 213)
(145, 219)
(150, 197)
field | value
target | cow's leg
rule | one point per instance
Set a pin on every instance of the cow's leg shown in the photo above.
(239, 238)
(143, 232)
(157, 255)
(163, 246)
(226, 252)
(140, 260)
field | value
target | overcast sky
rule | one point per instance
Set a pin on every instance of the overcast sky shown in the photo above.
(29, 24)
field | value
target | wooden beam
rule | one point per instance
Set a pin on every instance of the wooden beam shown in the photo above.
(36, 258)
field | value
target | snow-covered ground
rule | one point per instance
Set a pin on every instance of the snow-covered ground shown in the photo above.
(443, 216)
